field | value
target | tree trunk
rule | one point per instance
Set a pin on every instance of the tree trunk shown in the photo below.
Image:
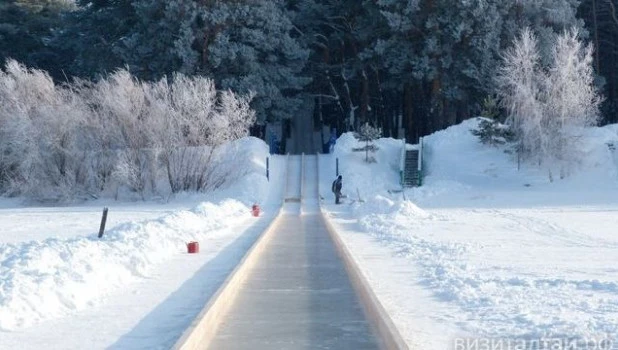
(408, 114)
(595, 29)
(437, 103)
(364, 99)
(379, 110)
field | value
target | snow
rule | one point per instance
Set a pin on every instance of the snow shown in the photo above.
(483, 250)
(136, 287)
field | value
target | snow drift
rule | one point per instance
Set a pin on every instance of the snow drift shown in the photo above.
(54, 277)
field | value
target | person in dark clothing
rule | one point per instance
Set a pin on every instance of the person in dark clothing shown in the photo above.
(337, 184)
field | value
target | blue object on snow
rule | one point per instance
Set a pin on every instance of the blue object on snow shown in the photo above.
(332, 141)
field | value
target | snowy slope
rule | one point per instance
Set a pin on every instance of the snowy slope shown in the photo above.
(484, 250)
(136, 287)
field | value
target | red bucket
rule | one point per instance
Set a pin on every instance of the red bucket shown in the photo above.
(255, 210)
(193, 247)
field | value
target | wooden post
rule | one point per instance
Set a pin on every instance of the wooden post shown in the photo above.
(337, 167)
(103, 220)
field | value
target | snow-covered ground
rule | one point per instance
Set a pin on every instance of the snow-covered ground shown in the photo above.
(62, 287)
(484, 252)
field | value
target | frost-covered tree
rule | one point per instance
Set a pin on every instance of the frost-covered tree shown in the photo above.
(122, 114)
(201, 119)
(547, 105)
(571, 98)
(519, 86)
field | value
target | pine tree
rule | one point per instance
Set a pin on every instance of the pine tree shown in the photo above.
(245, 46)
(346, 82)
(601, 18)
(253, 50)
(92, 40)
(444, 55)
(160, 41)
(368, 134)
(26, 29)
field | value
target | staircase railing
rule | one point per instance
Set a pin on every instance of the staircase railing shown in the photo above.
(402, 163)
(410, 177)
(420, 161)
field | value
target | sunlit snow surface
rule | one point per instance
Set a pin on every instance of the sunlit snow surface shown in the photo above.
(62, 287)
(483, 250)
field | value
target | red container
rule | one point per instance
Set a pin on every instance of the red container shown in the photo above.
(193, 247)
(255, 210)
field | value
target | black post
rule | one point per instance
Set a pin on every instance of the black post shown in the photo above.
(337, 166)
(103, 220)
(267, 169)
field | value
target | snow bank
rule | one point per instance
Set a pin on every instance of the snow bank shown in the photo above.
(368, 179)
(245, 162)
(598, 150)
(454, 154)
(504, 253)
(460, 171)
(454, 158)
(50, 278)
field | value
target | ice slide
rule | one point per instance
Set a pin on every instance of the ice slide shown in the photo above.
(296, 288)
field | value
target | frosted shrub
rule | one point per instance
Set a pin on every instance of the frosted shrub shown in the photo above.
(188, 168)
(202, 120)
(38, 129)
(87, 139)
(136, 170)
(121, 113)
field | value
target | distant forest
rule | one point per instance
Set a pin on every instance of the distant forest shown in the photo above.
(420, 65)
